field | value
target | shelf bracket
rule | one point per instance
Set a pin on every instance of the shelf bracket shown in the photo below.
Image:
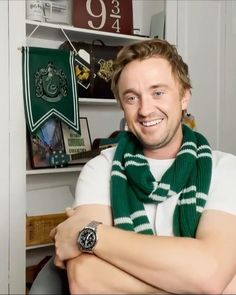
(30, 35)
(33, 31)
(63, 31)
(68, 39)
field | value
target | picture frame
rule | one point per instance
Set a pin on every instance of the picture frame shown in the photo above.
(77, 146)
(44, 142)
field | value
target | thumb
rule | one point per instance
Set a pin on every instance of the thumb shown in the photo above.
(69, 211)
(59, 263)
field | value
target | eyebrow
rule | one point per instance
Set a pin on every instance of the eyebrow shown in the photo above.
(129, 90)
(160, 85)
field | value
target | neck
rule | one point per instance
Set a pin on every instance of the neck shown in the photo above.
(161, 153)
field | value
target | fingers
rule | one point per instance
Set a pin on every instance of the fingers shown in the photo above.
(53, 233)
(59, 263)
(69, 213)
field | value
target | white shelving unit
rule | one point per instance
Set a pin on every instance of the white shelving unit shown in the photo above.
(39, 246)
(51, 31)
(95, 101)
(54, 170)
(97, 111)
(17, 178)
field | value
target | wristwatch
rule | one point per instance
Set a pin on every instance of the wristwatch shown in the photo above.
(87, 237)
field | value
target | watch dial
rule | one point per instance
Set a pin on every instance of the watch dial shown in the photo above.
(87, 239)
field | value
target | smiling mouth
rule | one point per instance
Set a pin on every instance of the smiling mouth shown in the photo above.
(151, 123)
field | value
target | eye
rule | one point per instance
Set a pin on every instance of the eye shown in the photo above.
(159, 93)
(130, 99)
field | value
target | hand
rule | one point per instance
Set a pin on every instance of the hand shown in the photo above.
(69, 212)
(65, 234)
(57, 261)
(65, 237)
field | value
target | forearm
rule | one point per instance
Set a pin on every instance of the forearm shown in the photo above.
(205, 264)
(172, 264)
(90, 274)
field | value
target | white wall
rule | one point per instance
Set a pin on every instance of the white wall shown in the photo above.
(142, 13)
(4, 150)
(207, 40)
(200, 39)
(103, 119)
(17, 158)
(227, 126)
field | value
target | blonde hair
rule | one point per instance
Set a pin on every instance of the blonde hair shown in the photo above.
(146, 49)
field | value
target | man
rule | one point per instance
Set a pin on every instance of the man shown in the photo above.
(162, 204)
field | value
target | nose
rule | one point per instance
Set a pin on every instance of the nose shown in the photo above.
(146, 106)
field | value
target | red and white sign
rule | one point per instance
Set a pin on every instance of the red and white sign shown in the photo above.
(104, 15)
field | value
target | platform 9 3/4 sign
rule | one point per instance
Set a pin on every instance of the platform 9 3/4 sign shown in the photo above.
(104, 15)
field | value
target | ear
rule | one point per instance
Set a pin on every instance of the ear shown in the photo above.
(185, 99)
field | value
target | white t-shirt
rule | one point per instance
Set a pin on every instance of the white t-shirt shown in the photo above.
(93, 187)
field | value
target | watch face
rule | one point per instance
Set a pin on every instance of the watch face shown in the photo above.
(87, 239)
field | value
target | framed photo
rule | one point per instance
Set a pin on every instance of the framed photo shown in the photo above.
(78, 147)
(44, 142)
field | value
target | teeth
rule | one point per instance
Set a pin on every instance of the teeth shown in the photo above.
(151, 123)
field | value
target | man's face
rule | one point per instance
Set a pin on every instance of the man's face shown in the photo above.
(150, 98)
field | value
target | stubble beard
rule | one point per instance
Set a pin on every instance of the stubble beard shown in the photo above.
(162, 143)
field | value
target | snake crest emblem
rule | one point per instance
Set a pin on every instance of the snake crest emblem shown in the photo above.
(50, 83)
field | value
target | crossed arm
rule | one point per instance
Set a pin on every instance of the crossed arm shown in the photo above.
(135, 263)
(88, 273)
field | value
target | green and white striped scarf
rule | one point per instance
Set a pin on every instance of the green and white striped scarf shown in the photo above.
(132, 184)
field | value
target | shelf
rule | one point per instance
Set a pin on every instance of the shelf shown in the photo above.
(52, 31)
(97, 101)
(54, 170)
(39, 246)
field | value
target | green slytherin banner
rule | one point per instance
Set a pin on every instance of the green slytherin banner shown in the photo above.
(49, 87)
